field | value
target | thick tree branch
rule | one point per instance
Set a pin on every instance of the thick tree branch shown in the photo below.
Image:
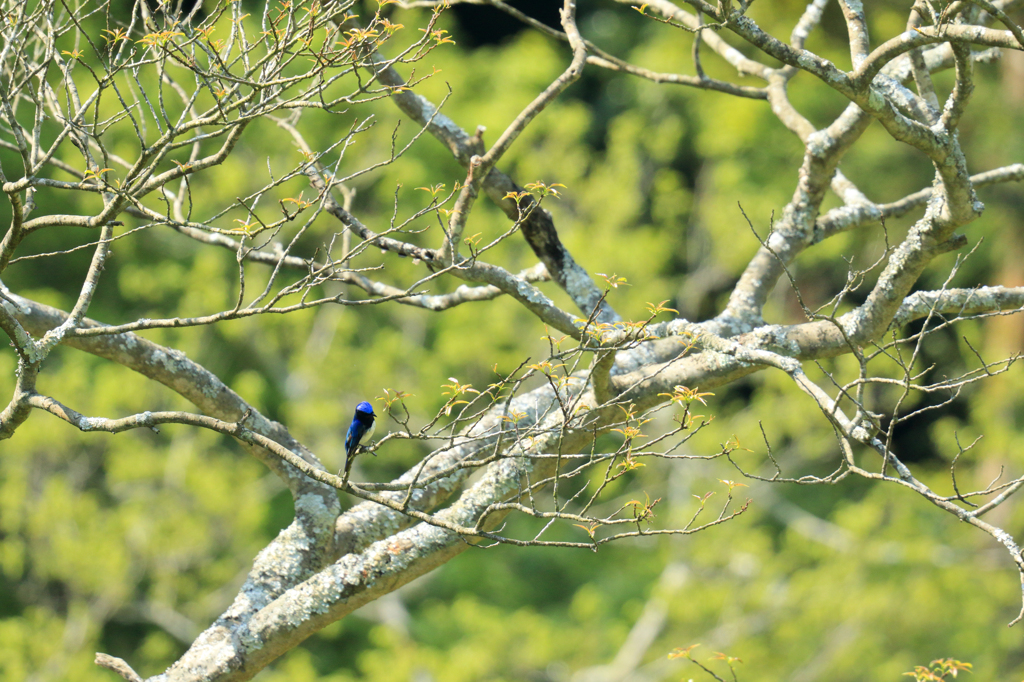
(538, 227)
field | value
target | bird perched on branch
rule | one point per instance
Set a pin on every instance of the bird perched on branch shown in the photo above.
(360, 431)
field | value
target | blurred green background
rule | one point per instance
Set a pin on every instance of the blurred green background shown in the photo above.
(132, 544)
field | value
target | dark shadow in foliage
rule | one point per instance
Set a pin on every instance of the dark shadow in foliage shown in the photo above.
(480, 25)
(912, 439)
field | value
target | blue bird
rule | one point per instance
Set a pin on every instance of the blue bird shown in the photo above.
(360, 431)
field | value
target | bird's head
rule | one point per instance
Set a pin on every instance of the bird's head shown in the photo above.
(365, 408)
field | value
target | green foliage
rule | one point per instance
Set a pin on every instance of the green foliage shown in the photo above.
(133, 543)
